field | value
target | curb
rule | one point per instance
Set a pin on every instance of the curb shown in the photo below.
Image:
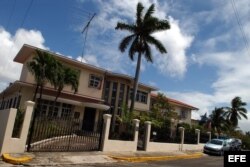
(16, 160)
(158, 158)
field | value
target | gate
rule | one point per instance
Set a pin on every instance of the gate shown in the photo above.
(55, 134)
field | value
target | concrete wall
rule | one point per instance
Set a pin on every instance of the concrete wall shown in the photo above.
(163, 147)
(108, 145)
(193, 147)
(169, 147)
(7, 119)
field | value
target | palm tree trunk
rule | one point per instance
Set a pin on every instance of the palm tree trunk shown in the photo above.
(54, 103)
(137, 73)
(34, 97)
(34, 118)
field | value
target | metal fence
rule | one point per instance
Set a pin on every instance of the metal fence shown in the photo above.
(62, 134)
(165, 135)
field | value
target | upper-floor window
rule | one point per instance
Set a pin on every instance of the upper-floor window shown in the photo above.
(140, 96)
(95, 81)
(183, 114)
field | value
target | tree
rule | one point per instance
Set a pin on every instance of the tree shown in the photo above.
(203, 119)
(141, 38)
(236, 111)
(217, 120)
(42, 67)
(64, 76)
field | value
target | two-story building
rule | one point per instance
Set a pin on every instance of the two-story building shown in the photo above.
(99, 90)
(183, 110)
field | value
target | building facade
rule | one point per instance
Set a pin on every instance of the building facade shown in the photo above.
(183, 110)
(99, 91)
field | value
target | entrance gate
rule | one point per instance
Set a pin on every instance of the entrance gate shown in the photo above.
(63, 134)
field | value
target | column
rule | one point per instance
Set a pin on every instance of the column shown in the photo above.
(147, 134)
(181, 129)
(105, 130)
(197, 131)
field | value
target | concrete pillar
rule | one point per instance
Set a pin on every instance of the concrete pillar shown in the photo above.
(209, 136)
(136, 123)
(7, 119)
(197, 131)
(105, 130)
(147, 134)
(182, 130)
(27, 120)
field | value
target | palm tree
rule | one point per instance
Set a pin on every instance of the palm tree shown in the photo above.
(64, 76)
(217, 120)
(236, 111)
(42, 67)
(141, 38)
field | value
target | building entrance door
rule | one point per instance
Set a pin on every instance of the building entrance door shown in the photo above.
(89, 119)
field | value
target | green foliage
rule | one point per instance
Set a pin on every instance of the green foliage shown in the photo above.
(126, 128)
(18, 123)
(236, 111)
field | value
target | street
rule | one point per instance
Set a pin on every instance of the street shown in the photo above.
(206, 161)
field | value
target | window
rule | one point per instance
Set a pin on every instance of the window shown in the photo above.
(114, 91)
(53, 109)
(120, 100)
(140, 96)
(76, 115)
(106, 91)
(14, 103)
(183, 114)
(66, 110)
(95, 81)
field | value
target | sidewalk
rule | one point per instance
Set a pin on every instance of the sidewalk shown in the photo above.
(77, 158)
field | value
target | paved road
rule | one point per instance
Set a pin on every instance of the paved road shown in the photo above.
(206, 161)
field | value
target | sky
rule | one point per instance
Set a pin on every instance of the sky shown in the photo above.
(208, 57)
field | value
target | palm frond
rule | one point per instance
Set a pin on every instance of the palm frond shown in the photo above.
(158, 45)
(125, 42)
(133, 48)
(139, 13)
(148, 54)
(124, 26)
(149, 12)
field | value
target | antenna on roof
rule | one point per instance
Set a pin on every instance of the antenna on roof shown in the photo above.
(85, 31)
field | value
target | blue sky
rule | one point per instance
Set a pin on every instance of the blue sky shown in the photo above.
(207, 62)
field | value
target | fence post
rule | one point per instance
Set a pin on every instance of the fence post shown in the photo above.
(105, 130)
(181, 129)
(147, 134)
(136, 123)
(209, 136)
(197, 131)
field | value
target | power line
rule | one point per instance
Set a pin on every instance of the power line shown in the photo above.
(240, 26)
(11, 14)
(22, 23)
(26, 12)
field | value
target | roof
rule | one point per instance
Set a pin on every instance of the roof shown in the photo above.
(27, 50)
(179, 103)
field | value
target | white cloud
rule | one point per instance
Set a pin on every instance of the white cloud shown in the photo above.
(91, 59)
(10, 45)
(175, 62)
(225, 51)
(175, 40)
